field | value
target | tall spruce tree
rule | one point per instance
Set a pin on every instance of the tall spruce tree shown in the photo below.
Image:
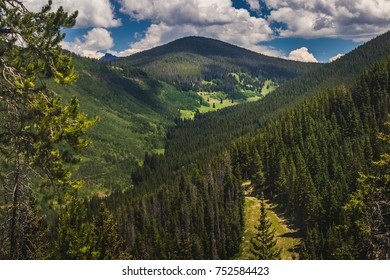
(37, 131)
(369, 208)
(264, 243)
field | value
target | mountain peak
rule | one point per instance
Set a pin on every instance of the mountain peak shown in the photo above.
(109, 57)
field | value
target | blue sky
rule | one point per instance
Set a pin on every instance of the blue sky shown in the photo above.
(316, 30)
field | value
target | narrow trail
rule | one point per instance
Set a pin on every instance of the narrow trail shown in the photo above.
(287, 238)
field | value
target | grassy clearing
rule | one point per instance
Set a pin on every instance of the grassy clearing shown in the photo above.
(214, 99)
(253, 99)
(287, 238)
(269, 86)
(187, 114)
(216, 105)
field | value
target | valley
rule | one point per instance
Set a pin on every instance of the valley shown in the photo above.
(137, 107)
(163, 154)
(275, 142)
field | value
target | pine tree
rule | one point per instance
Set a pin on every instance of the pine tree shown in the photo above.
(258, 177)
(369, 209)
(264, 243)
(36, 129)
(75, 236)
(108, 243)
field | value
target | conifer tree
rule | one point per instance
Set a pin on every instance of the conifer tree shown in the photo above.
(108, 245)
(36, 128)
(369, 209)
(75, 236)
(264, 243)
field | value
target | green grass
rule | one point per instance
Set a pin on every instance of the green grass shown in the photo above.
(159, 151)
(268, 87)
(214, 98)
(187, 114)
(253, 99)
(287, 238)
(218, 105)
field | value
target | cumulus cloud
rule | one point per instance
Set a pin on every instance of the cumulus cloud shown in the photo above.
(97, 13)
(90, 44)
(216, 19)
(195, 12)
(335, 57)
(302, 54)
(359, 20)
(253, 4)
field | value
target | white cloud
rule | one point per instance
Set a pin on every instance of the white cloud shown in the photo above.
(335, 57)
(254, 4)
(96, 13)
(359, 20)
(302, 54)
(98, 39)
(216, 19)
(195, 12)
(124, 53)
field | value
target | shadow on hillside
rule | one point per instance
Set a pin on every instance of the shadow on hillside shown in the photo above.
(295, 234)
(287, 219)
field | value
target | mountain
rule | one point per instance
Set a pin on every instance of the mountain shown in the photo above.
(189, 61)
(213, 52)
(109, 57)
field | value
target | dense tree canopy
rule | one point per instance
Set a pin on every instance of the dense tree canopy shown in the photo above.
(321, 153)
(38, 134)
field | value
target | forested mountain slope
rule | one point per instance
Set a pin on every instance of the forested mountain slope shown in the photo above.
(211, 132)
(314, 158)
(189, 61)
(135, 112)
(188, 203)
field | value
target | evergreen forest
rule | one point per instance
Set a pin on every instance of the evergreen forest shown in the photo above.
(98, 161)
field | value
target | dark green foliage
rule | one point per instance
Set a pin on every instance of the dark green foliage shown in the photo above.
(368, 208)
(109, 244)
(193, 214)
(306, 159)
(74, 235)
(305, 153)
(264, 243)
(312, 158)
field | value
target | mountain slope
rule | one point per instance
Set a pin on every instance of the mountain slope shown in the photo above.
(109, 57)
(135, 112)
(191, 59)
(308, 158)
(215, 130)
